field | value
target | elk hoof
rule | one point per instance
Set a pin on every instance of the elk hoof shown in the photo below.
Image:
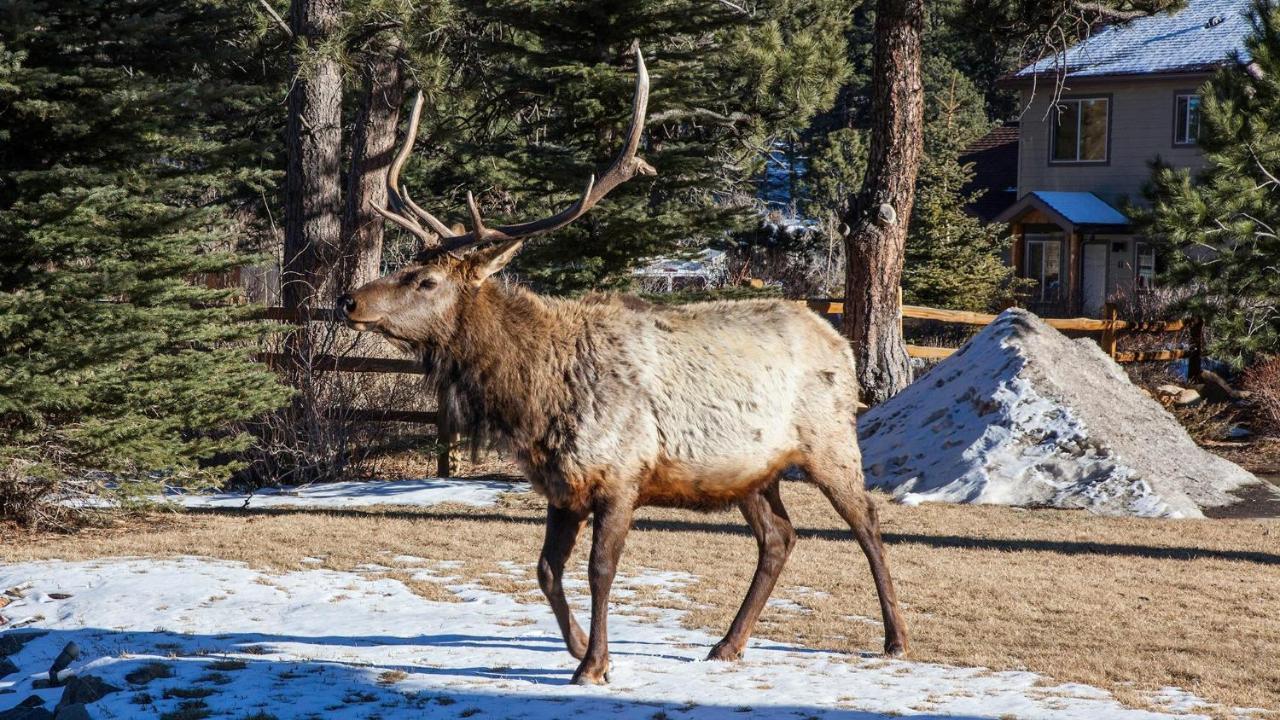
(895, 648)
(724, 652)
(592, 673)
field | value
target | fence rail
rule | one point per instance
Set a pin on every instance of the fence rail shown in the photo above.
(1109, 329)
(355, 364)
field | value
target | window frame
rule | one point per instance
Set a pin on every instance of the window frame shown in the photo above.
(1138, 282)
(1053, 126)
(1178, 95)
(1043, 239)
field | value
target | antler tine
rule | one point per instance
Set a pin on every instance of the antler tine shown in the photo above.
(440, 228)
(625, 166)
(428, 238)
(399, 197)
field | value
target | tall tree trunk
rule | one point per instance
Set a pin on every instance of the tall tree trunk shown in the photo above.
(879, 214)
(314, 144)
(373, 149)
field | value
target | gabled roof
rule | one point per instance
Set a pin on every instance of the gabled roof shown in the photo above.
(1074, 210)
(1198, 38)
(995, 171)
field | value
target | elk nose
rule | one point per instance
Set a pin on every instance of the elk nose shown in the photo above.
(346, 304)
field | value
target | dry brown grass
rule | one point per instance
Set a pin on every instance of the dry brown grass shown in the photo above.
(1125, 604)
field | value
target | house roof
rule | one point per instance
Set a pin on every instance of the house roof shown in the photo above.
(1198, 38)
(1071, 209)
(995, 171)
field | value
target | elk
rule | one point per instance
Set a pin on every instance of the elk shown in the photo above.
(608, 405)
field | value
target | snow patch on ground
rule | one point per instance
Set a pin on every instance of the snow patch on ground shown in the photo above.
(1021, 415)
(430, 491)
(326, 644)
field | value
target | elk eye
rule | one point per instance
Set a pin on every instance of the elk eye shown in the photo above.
(427, 283)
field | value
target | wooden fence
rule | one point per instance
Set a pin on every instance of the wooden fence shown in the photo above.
(333, 363)
(1108, 329)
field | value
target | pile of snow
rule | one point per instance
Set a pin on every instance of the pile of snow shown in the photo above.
(1022, 415)
(430, 491)
(208, 636)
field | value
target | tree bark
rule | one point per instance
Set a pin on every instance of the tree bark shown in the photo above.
(879, 214)
(373, 149)
(314, 145)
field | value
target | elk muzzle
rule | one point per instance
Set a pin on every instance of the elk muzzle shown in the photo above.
(349, 308)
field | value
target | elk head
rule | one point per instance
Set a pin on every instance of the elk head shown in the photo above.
(421, 303)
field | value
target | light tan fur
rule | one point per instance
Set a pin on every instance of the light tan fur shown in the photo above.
(610, 403)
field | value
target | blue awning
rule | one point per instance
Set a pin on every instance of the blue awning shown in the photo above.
(1073, 210)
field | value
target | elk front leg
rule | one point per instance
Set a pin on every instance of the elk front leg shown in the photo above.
(775, 537)
(563, 527)
(610, 526)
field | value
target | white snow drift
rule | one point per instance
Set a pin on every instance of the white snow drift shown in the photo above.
(323, 644)
(1022, 415)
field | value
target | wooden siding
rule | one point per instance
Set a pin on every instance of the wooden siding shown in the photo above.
(1142, 116)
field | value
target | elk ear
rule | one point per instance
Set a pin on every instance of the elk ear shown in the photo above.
(487, 261)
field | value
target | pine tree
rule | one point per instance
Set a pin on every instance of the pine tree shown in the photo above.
(953, 260)
(130, 127)
(1223, 226)
(550, 97)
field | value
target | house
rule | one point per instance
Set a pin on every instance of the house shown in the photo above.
(1128, 95)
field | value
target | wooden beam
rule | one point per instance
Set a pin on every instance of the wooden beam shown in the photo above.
(422, 417)
(1153, 356)
(929, 353)
(331, 363)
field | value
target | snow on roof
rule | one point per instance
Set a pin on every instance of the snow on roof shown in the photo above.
(1197, 38)
(1081, 208)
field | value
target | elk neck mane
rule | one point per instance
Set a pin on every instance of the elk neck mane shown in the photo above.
(516, 367)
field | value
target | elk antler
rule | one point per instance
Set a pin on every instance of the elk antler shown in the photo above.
(625, 166)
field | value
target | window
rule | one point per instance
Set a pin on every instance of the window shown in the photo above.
(1080, 130)
(1186, 119)
(1044, 265)
(1145, 278)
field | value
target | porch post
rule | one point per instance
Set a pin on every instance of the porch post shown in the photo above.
(1075, 272)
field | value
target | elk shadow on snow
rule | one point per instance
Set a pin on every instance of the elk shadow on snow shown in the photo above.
(196, 666)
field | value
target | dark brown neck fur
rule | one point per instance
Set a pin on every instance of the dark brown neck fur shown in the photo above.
(505, 370)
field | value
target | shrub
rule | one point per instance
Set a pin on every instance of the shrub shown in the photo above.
(1263, 380)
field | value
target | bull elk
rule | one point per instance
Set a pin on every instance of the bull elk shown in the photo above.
(608, 404)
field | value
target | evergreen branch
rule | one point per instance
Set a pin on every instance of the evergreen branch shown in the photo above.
(276, 16)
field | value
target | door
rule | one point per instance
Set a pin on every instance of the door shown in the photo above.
(1095, 279)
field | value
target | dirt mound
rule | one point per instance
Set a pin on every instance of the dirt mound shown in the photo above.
(1022, 415)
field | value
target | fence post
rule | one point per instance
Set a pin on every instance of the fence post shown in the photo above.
(445, 436)
(1112, 313)
(1194, 360)
(902, 328)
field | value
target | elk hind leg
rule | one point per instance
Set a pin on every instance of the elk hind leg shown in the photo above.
(563, 527)
(775, 537)
(842, 483)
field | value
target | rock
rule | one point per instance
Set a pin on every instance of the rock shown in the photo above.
(1022, 415)
(1187, 398)
(11, 643)
(7, 667)
(84, 689)
(68, 655)
(30, 709)
(72, 712)
(1145, 391)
